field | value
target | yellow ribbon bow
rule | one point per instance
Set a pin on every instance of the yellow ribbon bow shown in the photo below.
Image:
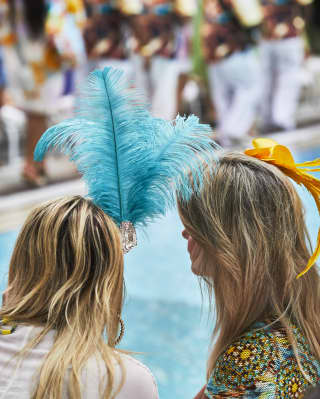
(270, 151)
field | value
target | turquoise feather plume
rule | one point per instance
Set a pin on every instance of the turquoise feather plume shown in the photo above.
(132, 163)
(184, 147)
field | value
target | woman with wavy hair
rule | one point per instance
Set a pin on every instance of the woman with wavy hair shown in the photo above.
(248, 242)
(61, 314)
(65, 291)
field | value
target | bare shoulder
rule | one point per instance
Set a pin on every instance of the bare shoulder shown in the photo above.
(139, 381)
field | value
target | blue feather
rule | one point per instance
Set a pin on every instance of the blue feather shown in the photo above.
(184, 148)
(132, 163)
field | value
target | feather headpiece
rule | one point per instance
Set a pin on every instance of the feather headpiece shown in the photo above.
(131, 162)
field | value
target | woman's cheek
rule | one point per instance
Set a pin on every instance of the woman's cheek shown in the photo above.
(196, 259)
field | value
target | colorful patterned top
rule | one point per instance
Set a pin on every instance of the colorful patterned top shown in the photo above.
(283, 18)
(261, 364)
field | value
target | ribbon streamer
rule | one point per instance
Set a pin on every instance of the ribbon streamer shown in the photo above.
(270, 151)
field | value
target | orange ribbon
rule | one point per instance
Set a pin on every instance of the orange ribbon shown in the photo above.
(270, 151)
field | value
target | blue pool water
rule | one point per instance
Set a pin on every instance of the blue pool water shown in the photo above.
(163, 305)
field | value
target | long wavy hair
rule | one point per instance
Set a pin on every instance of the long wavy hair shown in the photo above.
(249, 223)
(66, 274)
(35, 13)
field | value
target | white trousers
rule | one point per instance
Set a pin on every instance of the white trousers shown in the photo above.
(282, 62)
(160, 83)
(235, 86)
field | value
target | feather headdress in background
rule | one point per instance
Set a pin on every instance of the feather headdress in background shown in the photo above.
(131, 162)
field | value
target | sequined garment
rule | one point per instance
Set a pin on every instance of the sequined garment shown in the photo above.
(262, 365)
(283, 19)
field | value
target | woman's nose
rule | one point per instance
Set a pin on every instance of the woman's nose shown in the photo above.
(185, 234)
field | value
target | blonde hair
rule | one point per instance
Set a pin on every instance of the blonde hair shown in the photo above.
(66, 274)
(249, 222)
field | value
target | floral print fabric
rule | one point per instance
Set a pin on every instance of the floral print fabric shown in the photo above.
(262, 365)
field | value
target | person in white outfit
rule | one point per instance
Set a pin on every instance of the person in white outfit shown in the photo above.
(233, 70)
(160, 39)
(282, 54)
(43, 47)
(105, 36)
(61, 312)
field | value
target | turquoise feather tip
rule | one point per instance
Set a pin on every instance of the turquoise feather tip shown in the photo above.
(132, 163)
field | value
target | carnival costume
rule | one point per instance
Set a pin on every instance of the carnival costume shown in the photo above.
(233, 69)
(106, 37)
(159, 41)
(35, 64)
(131, 162)
(262, 363)
(282, 54)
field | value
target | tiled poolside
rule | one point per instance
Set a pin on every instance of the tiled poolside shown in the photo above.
(163, 305)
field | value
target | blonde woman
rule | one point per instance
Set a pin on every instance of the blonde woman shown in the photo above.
(247, 241)
(61, 316)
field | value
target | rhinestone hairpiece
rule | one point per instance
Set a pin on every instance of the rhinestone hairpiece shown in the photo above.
(128, 236)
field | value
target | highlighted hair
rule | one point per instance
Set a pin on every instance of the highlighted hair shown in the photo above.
(249, 222)
(66, 274)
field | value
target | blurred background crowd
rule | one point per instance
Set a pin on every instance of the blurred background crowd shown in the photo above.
(247, 67)
(244, 66)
